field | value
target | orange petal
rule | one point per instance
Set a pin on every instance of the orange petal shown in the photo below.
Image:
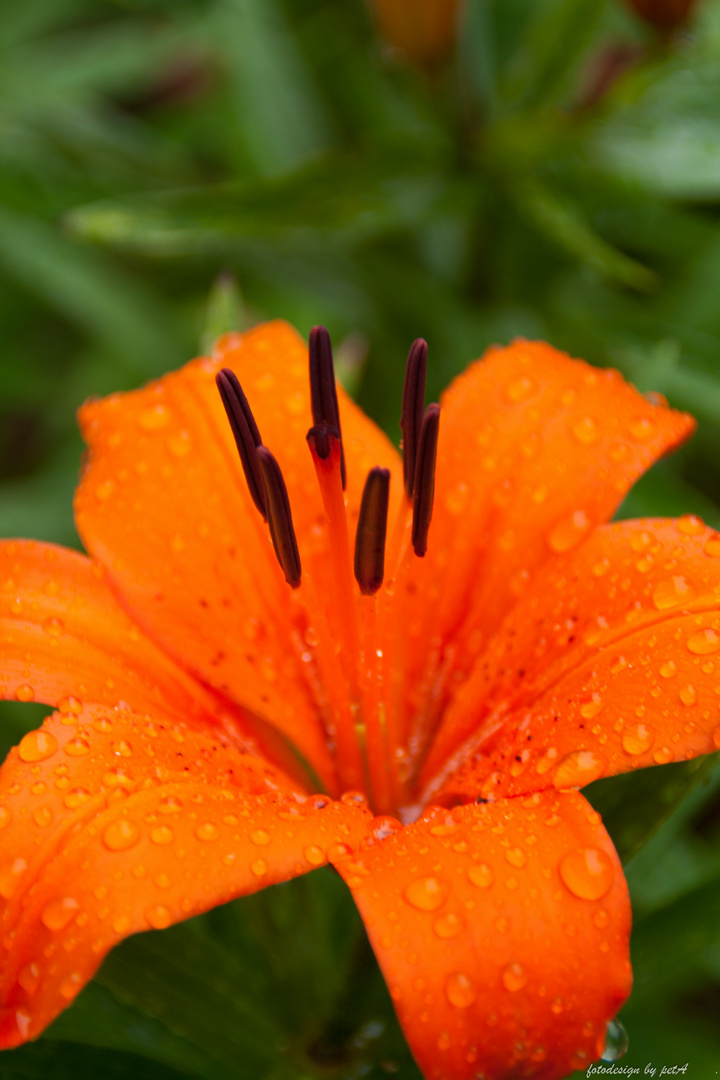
(535, 450)
(502, 931)
(66, 640)
(124, 823)
(164, 506)
(609, 662)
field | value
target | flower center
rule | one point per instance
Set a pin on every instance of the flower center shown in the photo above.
(362, 691)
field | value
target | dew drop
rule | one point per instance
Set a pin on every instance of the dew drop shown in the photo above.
(643, 428)
(616, 1041)
(102, 724)
(122, 749)
(158, 916)
(516, 856)
(104, 490)
(258, 867)
(76, 798)
(690, 525)
(637, 738)
(71, 985)
(520, 388)
(579, 768)
(121, 924)
(587, 872)
(704, 642)
(43, 816)
(29, 978)
(260, 837)
(121, 835)
(58, 913)
(5, 817)
(10, 874)
(427, 893)
(154, 417)
(25, 693)
(601, 919)
(162, 835)
(712, 546)
(449, 925)
(671, 592)
(688, 695)
(169, 805)
(568, 532)
(481, 875)
(207, 831)
(668, 669)
(37, 745)
(460, 990)
(591, 708)
(514, 977)
(53, 627)
(77, 747)
(586, 430)
(179, 445)
(314, 855)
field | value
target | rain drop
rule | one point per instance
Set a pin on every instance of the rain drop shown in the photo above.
(77, 747)
(162, 835)
(207, 832)
(481, 875)
(460, 990)
(37, 745)
(258, 867)
(703, 642)
(643, 428)
(671, 592)
(260, 837)
(314, 855)
(690, 525)
(58, 913)
(688, 695)
(520, 388)
(158, 916)
(70, 986)
(5, 817)
(568, 532)
(637, 738)
(427, 893)
(587, 872)
(586, 430)
(29, 978)
(514, 977)
(579, 768)
(516, 857)
(43, 816)
(449, 925)
(121, 835)
(616, 1041)
(153, 418)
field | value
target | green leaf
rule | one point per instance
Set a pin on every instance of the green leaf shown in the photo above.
(634, 805)
(224, 311)
(67, 1061)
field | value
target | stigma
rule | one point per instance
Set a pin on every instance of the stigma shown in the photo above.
(359, 698)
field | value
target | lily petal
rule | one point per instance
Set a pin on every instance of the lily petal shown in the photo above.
(608, 663)
(502, 931)
(163, 505)
(65, 641)
(535, 451)
(123, 823)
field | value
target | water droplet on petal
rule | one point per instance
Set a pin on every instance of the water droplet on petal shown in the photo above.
(10, 874)
(449, 925)
(104, 490)
(586, 430)
(643, 428)
(616, 1041)
(29, 978)
(591, 708)
(568, 532)
(169, 805)
(122, 749)
(688, 695)
(162, 835)
(180, 445)
(481, 875)
(158, 916)
(579, 768)
(71, 985)
(703, 642)
(53, 627)
(121, 835)
(314, 855)
(520, 388)
(25, 693)
(260, 837)
(460, 990)
(154, 417)
(37, 745)
(516, 856)
(5, 817)
(637, 738)
(43, 816)
(427, 893)
(587, 872)
(58, 913)
(690, 525)
(76, 798)
(601, 919)
(258, 867)
(121, 924)
(77, 747)
(671, 592)
(207, 831)
(102, 724)
(712, 546)
(668, 669)
(514, 977)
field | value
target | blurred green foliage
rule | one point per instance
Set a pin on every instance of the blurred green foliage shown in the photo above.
(559, 177)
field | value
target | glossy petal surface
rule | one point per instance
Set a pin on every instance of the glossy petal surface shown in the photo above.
(608, 663)
(164, 506)
(502, 931)
(118, 823)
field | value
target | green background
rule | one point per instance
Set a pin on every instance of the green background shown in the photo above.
(172, 168)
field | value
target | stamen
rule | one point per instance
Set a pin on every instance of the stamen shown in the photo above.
(372, 531)
(279, 517)
(245, 430)
(413, 404)
(323, 392)
(425, 479)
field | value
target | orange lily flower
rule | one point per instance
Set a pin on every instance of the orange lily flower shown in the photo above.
(449, 715)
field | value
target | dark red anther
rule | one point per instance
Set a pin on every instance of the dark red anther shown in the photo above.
(425, 479)
(323, 392)
(279, 517)
(323, 440)
(413, 405)
(245, 430)
(372, 531)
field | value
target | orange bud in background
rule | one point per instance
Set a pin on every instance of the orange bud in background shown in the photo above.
(424, 29)
(664, 15)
